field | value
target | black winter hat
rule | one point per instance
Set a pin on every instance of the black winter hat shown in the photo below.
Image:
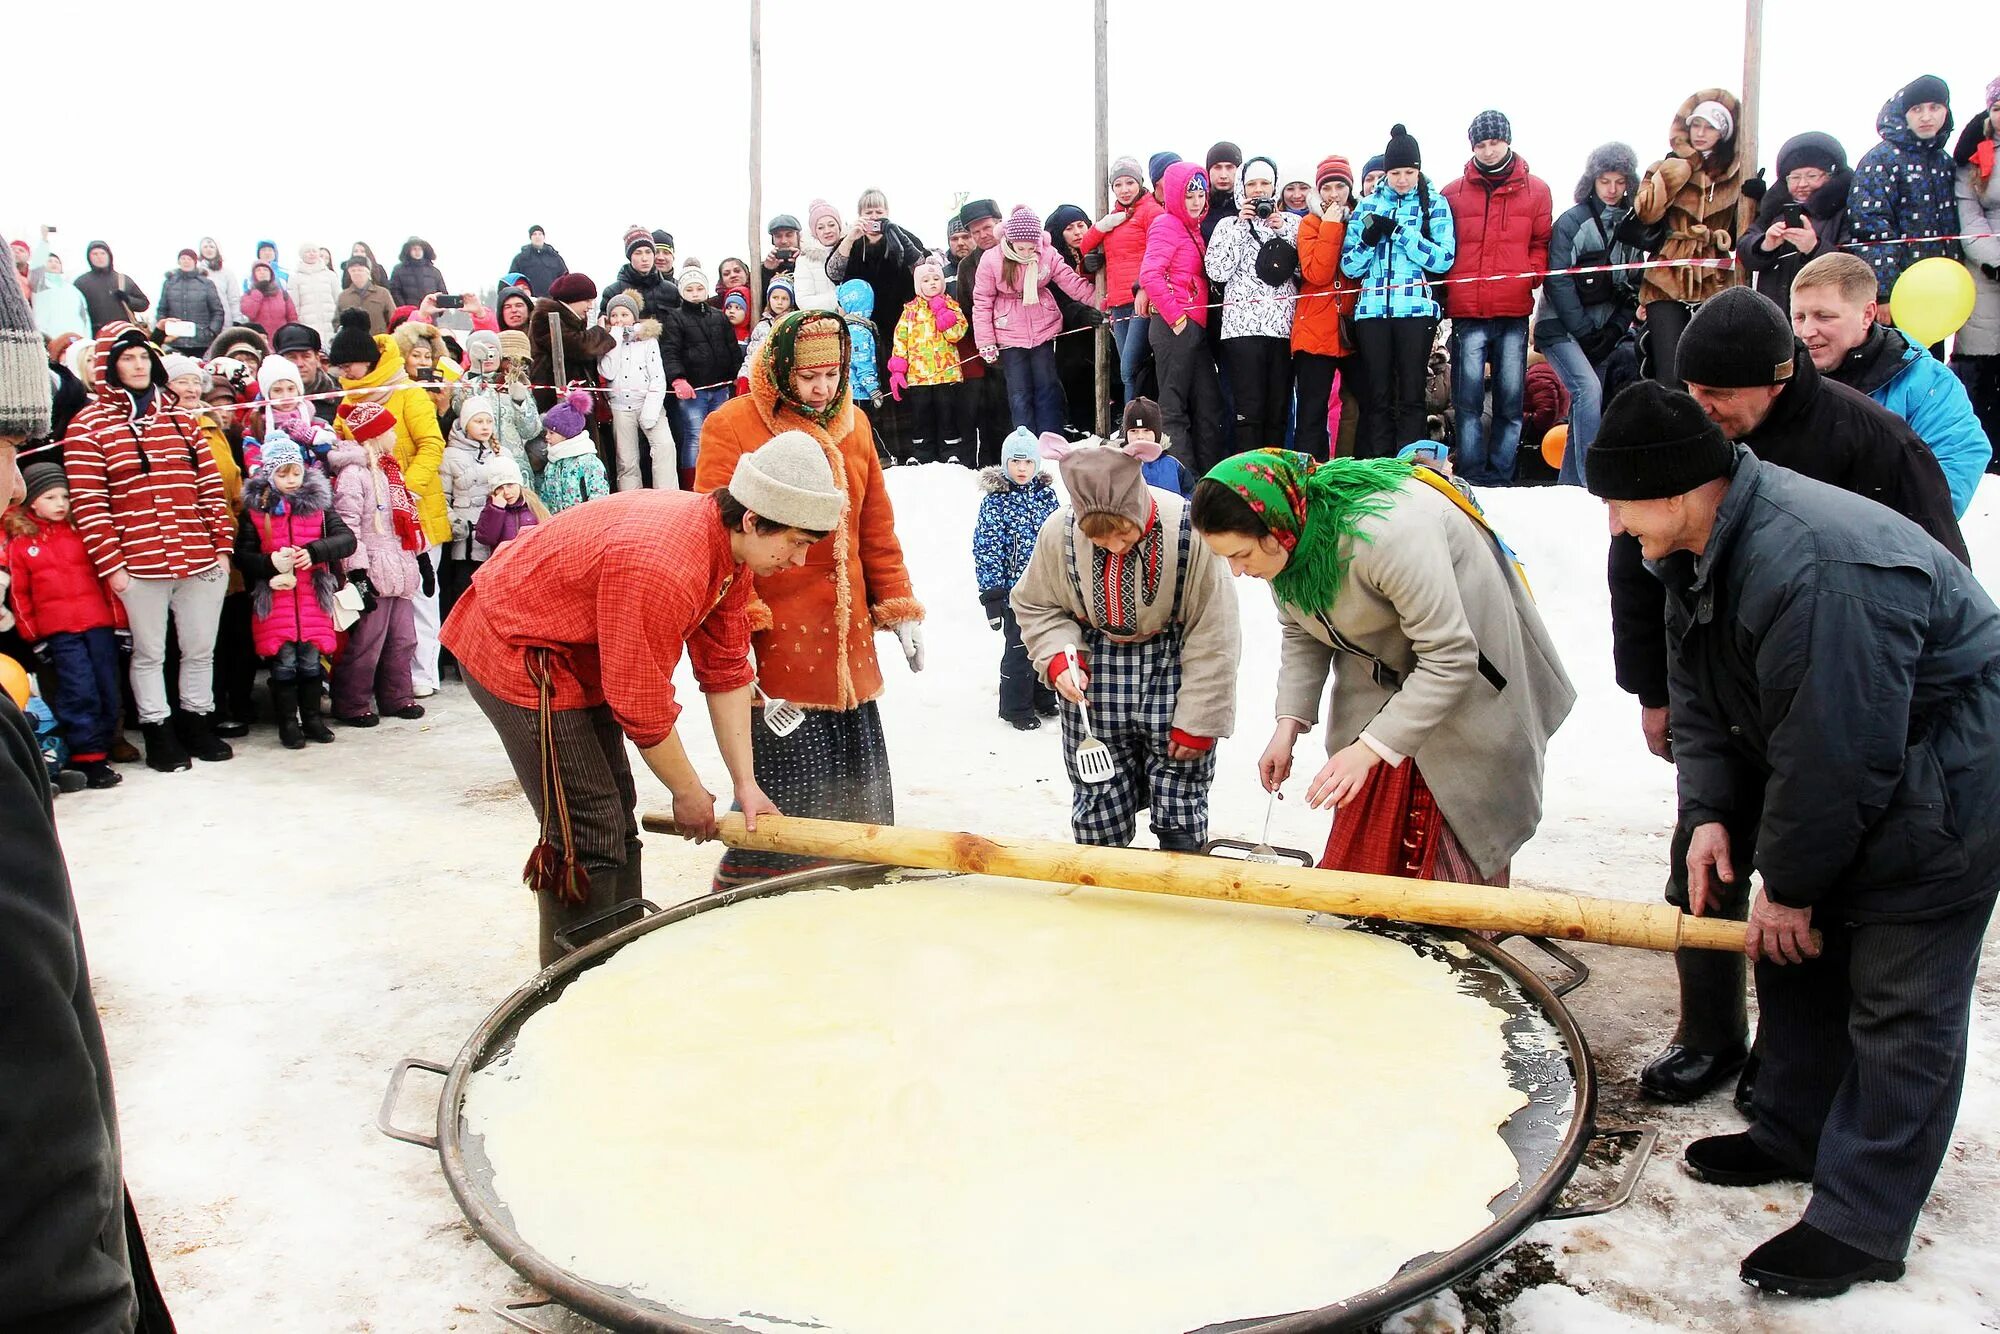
(662, 237)
(1655, 442)
(1224, 151)
(974, 209)
(1811, 149)
(1737, 339)
(1402, 150)
(41, 478)
(1489, 125)
(1922, 89)
(352, 341)
(295, 338)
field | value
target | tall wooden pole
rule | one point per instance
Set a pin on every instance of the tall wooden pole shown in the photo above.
(1105, 205)
(757, 247)
(1753, 79)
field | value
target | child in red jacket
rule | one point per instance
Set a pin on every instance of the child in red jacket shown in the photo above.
(62, 609)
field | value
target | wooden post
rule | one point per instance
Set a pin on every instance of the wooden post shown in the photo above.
(1753, 87)
(757, 242)
(1102, 413)
(561, 376)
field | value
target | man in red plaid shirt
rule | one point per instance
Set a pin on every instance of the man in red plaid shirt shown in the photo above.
(568, 639)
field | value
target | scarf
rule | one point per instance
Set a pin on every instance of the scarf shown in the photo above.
(1030, 261)
(781, 349)
(401, 508)
(1314, 510)
(380, 394)
(1498, 169)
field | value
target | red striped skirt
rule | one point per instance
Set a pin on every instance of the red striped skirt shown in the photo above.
(1394, 827)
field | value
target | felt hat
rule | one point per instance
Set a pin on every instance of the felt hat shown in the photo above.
(784, 222)
(573, 287)
(1106, 481)
(1655, 442)
(788, 480)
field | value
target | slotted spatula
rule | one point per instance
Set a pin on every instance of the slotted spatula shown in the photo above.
(781, 716)
(1264, 852)
(1093, 757)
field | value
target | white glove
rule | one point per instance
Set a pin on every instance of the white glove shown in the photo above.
(911, 633)
(1111, 220)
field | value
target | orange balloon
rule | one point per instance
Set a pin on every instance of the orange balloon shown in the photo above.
(14, 680)
(1554, 443)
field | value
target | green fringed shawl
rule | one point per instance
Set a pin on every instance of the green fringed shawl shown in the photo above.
(1312, 508)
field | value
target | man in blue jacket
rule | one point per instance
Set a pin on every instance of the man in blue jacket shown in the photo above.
(1835, 682)
(1834, 315)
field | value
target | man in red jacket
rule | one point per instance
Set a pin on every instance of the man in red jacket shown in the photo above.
(1502, 215)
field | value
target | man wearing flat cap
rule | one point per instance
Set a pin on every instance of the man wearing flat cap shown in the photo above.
(1834, 685)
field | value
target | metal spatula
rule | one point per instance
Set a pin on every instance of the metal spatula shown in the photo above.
(1264, 852)
(1093, 757)
(781, 716)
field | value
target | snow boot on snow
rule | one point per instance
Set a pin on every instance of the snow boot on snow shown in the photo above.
(285, 700)
(197, 734)
(1803, 1261)
(164, 752)
(310, 722)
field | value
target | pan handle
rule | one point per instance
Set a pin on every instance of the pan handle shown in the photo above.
(1621, 1194)
(1578, 969)
(510, 1312)
(590, 928)
(1237, 847)
(384, 1121)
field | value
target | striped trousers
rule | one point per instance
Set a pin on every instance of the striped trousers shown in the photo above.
(1862, 1063)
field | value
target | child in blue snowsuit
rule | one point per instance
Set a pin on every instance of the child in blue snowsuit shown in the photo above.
(1019, 498)
(857, 303)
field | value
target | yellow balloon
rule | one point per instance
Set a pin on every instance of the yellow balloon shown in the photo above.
(1554, 444)
(1932, 300)
(14, 680)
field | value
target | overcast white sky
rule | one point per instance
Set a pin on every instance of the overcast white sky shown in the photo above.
(470, 122)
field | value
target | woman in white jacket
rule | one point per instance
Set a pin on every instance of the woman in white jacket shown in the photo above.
(315, 288)
(811, 287)
(638, 384)
(1256, 344)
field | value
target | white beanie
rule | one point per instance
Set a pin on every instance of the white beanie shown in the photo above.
(503, 471)
(481, 343)
(1717, 115)
(178, 364)
(475, 405)
(691, 272)
(789, 481)
(274, 369)
(1260, 169)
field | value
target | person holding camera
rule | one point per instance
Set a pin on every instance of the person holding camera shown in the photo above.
(1583, 316)
(885, 256)
(1253, 256)
(784, 252)
(1806, 219)
(190, 308)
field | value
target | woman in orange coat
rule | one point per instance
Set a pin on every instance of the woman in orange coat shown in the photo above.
(1322, 361)
(814, 627)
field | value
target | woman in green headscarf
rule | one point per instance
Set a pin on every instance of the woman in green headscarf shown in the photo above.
(1446, 684)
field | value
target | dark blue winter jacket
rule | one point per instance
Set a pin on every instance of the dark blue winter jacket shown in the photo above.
(1903, 187)
(1004, 537)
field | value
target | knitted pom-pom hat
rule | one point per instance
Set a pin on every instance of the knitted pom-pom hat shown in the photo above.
(569, 418)
(1023, 227)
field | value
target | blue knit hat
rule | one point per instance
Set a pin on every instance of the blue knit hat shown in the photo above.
(280, 451)
(1022, 444)
(1156, 165)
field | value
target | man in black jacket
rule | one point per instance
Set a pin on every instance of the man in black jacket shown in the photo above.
(1757, 383)
(982, 403)
(539, 262)
(1835, 686)
(108, 295)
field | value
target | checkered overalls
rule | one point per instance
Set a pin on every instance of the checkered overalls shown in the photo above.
(1133, 688)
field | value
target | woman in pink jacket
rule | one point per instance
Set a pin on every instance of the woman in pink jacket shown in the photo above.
(266, 303)
(1175, 280)
(1016, 322)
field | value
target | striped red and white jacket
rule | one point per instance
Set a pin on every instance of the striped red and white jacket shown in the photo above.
(144, 490)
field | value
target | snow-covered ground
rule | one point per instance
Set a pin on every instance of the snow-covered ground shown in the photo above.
(268, 936)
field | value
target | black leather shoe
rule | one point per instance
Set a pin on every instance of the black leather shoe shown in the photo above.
(1733, 1160)
(232, 728)
(1746, 1087)
(1802, 1261)
(1682, 1074)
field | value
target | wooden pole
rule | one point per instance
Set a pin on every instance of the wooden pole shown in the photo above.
(1753, 87)
(757, 245)
(1646, 925)
(1102, 340)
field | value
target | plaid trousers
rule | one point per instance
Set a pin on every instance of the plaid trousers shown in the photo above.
(1133, 688)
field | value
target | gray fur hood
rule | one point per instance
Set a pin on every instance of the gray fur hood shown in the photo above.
(1613, 156)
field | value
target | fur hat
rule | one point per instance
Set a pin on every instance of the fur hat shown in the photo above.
(788, 480)
(1402, 150)
(637, 238)
(573, 286)
(275, 370)
(503, 471)
(42, 478)
(280, 451)
(1333, 167)
(515, 347)
(1106, 481)
(369, 421)
(1655, 442)
(353, 341)
(481, 344)
(1613, 156)
(1127, 166)
(569, 418)
(1738, 338)
(1811, 149)
(624, 301)
(691, 272)
(474, 406)
(1489, 125)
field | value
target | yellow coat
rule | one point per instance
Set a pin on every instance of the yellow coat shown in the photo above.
(419, 442)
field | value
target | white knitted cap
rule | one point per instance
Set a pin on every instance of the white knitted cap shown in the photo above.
(274, 369)
(789, 481)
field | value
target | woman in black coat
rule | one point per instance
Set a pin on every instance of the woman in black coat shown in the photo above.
(1803, 217)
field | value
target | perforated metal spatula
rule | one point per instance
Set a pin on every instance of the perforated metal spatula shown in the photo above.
(781, 716)
(1264, 852)
(1093, 757)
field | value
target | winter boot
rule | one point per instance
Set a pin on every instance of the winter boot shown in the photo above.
(409, 712)
(310, 722)
(1709, 1047)
(1803, 1261)
(285, 701)
(69, 780)
(1735, 1160)
(197, 734)
(124, 752)
(164, 752)
(99, 773)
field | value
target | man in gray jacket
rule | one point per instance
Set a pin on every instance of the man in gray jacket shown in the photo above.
(1834, 677)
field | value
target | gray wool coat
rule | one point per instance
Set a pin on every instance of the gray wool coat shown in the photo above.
(1437, 652)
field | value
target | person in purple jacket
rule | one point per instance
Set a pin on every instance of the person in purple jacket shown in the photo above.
(509, 509)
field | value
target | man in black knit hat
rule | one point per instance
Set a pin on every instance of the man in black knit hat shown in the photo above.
(1757, 383)
(1835, 693)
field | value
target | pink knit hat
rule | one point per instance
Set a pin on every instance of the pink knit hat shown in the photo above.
(818, 209)
(1023, 227)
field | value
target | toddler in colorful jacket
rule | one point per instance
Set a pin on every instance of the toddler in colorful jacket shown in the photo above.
(1019, 499)
(857, 303)
(923, 358)
(62, 610)
(574, 473)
